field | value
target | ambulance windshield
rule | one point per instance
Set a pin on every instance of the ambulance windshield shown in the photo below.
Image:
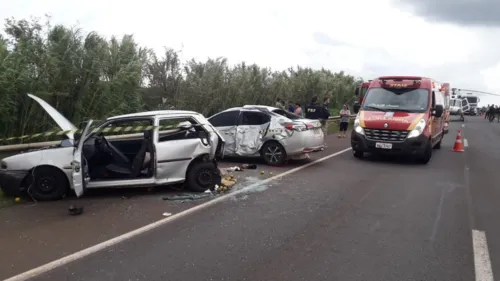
(408, 100)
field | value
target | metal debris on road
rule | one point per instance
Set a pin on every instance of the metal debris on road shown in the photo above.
(75, 211)
(186, 197)
(234, 169)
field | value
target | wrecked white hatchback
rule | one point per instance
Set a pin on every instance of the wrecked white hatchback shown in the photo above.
(173, 147)
(256, 131)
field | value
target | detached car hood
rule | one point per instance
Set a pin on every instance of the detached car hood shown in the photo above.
(60, 120)
(401, 121)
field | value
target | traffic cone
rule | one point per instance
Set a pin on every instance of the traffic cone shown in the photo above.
(458, 147)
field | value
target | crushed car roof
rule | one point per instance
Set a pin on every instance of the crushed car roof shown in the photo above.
(154, 113)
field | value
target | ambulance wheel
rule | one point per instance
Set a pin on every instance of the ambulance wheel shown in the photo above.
(358, 154)
(427, 155)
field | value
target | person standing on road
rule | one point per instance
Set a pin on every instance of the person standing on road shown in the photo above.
(491, 113)
(317, 112)
(344, 121)
(298, 110)
(291, 108)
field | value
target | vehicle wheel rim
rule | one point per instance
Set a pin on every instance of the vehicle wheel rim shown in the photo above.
(273, 154)
(46, 184)
(205, 177)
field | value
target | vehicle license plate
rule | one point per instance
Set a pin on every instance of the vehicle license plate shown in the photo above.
(383, 145)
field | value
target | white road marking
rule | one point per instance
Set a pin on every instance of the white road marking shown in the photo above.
(106, 244)
(482, 262)
(466, 143)
(463, 125)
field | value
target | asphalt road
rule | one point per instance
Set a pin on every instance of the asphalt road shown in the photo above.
(341, 219)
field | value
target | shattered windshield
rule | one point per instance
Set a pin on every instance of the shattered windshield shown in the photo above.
(409, 100)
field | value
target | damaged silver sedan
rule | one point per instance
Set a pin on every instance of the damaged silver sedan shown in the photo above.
(254, 131)
(176, 147)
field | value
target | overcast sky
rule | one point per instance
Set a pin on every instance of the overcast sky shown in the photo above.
(449, 40)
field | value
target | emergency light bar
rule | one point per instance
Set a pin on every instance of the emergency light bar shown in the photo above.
(416, 80)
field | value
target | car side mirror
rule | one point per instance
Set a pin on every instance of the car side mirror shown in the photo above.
(356, 91)
(438, 110)
(356, 107)
(185, 125)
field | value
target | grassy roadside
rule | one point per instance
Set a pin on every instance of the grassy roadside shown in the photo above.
(333, 126)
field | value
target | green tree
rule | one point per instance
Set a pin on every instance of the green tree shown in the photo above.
(88, 76)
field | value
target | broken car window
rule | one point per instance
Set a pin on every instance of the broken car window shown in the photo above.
(169, 129)
(128, 126)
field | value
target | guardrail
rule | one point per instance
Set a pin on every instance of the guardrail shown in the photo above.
(34, 145)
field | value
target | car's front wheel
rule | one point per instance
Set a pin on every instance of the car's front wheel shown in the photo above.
(202, 176)
(273, 153)
(47, 184)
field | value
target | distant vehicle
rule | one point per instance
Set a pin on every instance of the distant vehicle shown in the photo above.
(360, 91)
(473, 103)
(268, 132)
(458, 107)
(184, 153)
(399, 115)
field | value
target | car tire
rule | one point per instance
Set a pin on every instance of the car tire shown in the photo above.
(358, 154)
(47, 184)
(427, 155)
(202, 176)
(273, 153)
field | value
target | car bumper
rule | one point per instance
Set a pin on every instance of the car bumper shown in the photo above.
(304, 142)
(10, 181)
(413, 146)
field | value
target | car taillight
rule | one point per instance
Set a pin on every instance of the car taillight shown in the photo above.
(295, 127)
(309, 126)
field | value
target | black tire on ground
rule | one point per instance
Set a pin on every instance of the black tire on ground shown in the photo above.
(47, 184)
(202, 176)
(427, 155)
(358, 154)
(273, 153)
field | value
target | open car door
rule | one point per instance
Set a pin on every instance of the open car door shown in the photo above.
(78, 164)
(465, 105)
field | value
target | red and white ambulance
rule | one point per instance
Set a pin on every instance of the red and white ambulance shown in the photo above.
(399, 115)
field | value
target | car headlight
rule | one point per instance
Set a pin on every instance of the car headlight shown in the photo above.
(357, 127)
(419, 129)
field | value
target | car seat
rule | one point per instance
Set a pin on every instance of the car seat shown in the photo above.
(141, 160)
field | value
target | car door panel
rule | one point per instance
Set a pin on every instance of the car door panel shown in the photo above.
(226, 124)
(175, 148)
(249, 140)
(78, 165)
(229, 135)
